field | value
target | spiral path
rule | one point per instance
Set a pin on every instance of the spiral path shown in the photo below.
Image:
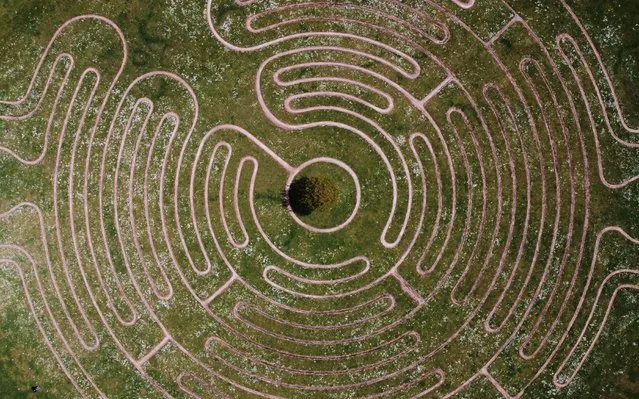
(469, 256)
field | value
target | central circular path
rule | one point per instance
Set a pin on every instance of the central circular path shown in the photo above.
(341, 180)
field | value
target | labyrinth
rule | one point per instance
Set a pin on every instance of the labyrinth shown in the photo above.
(332, 199)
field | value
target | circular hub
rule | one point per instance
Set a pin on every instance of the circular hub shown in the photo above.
(323, 195)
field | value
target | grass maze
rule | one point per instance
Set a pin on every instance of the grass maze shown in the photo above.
(470, 250)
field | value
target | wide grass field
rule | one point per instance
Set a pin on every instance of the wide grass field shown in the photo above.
(474, 232)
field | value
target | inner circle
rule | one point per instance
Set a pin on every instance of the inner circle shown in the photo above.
(340, 184)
